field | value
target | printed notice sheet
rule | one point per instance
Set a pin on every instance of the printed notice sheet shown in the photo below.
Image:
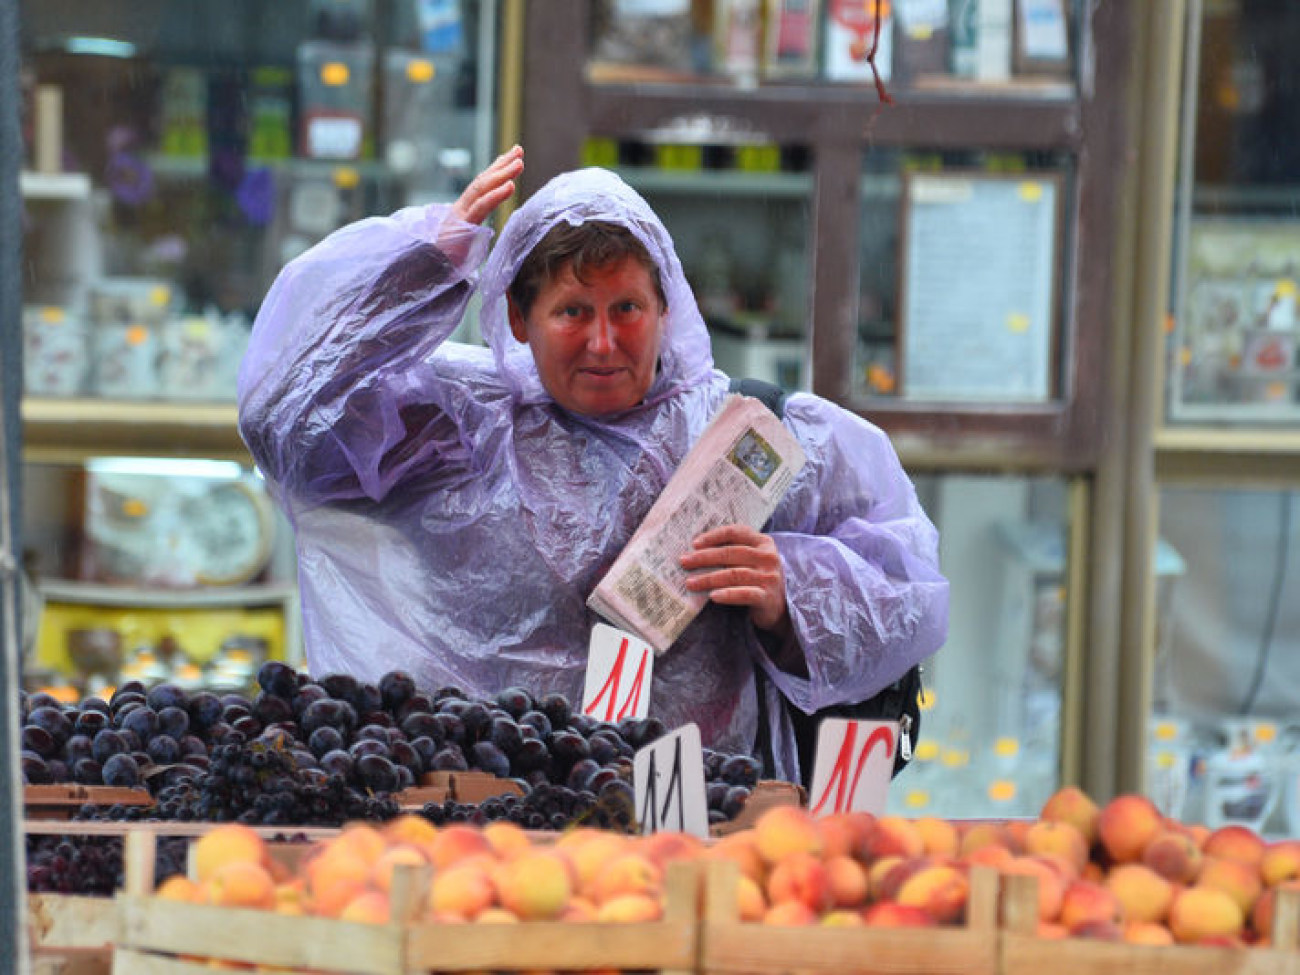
(736, 473)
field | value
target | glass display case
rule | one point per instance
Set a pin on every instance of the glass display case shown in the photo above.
(175, 157)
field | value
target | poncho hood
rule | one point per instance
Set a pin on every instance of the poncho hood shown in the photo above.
(577, 198)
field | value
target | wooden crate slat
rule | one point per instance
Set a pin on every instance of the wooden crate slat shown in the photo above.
(71, 920)
(866, 951)
(128, 961)
(1027, 955)
(154, 924)
(552, 945)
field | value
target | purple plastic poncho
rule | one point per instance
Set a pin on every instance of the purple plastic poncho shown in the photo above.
(451, 519)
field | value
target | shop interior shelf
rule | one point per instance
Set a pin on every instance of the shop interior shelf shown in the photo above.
(71, 430)
(54, 186)
(209, 597)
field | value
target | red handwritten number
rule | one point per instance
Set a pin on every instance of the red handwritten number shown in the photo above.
(613, 683)
(844, 789)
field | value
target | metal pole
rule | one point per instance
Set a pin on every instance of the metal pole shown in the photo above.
(14, 949)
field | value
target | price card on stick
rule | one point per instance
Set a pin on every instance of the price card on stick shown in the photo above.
(619, 668)
(668, 781)
(852, 766)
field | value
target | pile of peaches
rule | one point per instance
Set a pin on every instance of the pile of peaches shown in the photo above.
(1120, 872)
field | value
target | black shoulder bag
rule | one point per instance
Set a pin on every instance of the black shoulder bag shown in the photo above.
(900, 701)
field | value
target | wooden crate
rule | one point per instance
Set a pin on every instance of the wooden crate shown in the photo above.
(70, 934)
(1025, 954)
(731, 945)
(61, 802)
(159, 937)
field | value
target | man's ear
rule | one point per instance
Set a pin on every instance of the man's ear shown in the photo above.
(518, 327)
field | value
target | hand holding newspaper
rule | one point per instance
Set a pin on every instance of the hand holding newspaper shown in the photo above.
(736, 473)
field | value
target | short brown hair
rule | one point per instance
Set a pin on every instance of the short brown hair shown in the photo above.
(596, 244)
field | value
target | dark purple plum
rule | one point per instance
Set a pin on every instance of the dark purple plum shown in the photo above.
(449, 759)
(205, 710)
(367, 746)
(557, 708)
(305, 696)
(270, 708)
(166, 695)
(740, 770)
(341, 687)
(420, 724)
(486, 756)
(174, 721)
(515, 701)
(396, 688)
(505, 734)
(425, 747)
(107, 743)
(90, 721)
(377, 773)
(337, 762)
(163, 749)
(404, 753)
(581, 773)
(35, 770)
(87, 771)
(278, 678)
(537, 720)
(122, 771)
(325, 739)
(39, 741)
(143, 721)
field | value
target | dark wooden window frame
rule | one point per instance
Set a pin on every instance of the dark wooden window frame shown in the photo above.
(839, 123)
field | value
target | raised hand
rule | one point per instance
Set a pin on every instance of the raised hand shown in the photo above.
(490, 188)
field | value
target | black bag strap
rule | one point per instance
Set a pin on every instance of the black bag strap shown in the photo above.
(770, 394)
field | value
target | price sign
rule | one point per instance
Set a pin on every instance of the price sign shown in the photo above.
(619, 669)
(668, 781)
(852, 766)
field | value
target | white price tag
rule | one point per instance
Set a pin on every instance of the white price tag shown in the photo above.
(619, 669)
(668, 780)
(852, 766)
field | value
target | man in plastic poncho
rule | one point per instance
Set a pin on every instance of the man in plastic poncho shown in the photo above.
(454, 506)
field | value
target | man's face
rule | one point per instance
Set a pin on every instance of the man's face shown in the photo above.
(596, 345)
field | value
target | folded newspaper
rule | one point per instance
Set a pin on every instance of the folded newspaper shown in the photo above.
(736, 473)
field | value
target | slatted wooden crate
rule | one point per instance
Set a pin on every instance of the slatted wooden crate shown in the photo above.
(1025, 954)
(730, 945)
(160, 937)
(70, 934)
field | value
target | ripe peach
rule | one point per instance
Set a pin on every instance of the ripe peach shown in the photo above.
(1280, 862)
(1174, 855)
(463, 890)
(535, 886)
(178, 887)
(891, 915)
(1198, 913)
(1085, 901)
(740, 848)
(630, 908)
(368, 907)
(980, 835)
(507, 839)
(1060, 838)
(847, 881)
(1235, 842)
(938, 836)
(669, 845)
(242, 884)
(1236, 878)
(1072, 805)
(801, 877)
(630, 873)
(1015, 831)
(1126, 825)
(335, 875)
(844, 833)
(453, 843)
(790, 914)
(842, 917)
(940, 891)
(1143, 894)
(784, 830)
(1147, 933)
(402, 854)
(227, 843)
(992, 855)
(589, 850)
(579, 909)
(1051, 883)
(886, 881)
(1051, 931)
(409, 828)
(751, 902)
(894, 836)
(361, 839)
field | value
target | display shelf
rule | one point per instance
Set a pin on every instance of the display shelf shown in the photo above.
(71, 430)
(718, 183)
(197, 168)
(210, 597)
(1217, 455)
(780, 114)
(54, 186)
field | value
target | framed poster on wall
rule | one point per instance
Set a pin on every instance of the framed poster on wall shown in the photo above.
(978, 291)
